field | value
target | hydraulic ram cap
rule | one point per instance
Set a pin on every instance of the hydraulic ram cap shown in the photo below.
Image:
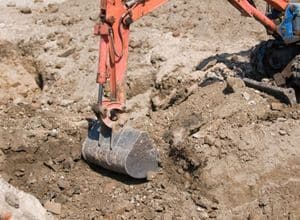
(129, 151)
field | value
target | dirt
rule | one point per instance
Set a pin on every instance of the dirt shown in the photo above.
(224, 154)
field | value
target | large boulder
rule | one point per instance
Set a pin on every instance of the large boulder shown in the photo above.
(20, 205)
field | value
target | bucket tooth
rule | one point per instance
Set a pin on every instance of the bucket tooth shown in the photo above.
(128, 151)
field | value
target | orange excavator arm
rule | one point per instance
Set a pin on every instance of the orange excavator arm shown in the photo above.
(115, 19)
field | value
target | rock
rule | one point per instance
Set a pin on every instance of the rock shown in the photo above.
(11, 4)
(5, 148)
(246, 96)
(76, 190)
(208, 65)
(68, 52)
(60, 158)
(60, 65)
(73, 191)
(135, 44)
(19, 173)
(94, 17)
(204, 203)
(31, 181)
(62, 199)
(213, 76)
(202, 213)
(64, 40)
(82, 124)
(210, 140)
(53, 207)
(266, 80)
(151, 175)
(199, 135)
(276, 106)
(66, 102)
(5, 177)
(178, 136)
(49, 163)
(176, 33)
(20, 205)
(129, 207)
(282, 132)
(25, 10)
(235, 58)
(20, 148)
(68, 164)
(235, 84)
(92, 49)
(158, 207)
(53, 133)
(180, 170)
(252, 102)
(71, 20)
(157, 59)
(281, 119)
(63, 184)
(12, 200)
(53, 8)
(157, 102)
(76, 155)
(39, 22)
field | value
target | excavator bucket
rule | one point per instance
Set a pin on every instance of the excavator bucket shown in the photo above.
(128, 151)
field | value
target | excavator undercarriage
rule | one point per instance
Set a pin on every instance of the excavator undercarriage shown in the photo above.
(274, 59)
(130, 151)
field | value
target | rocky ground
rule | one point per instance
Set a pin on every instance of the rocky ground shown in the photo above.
(226, 151)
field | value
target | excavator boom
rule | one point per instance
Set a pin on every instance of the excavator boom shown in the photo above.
(115, 20)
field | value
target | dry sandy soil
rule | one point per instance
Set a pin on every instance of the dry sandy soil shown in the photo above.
(223, 155)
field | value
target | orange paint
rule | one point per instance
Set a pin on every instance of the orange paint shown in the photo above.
(280, 5)
(6, 216)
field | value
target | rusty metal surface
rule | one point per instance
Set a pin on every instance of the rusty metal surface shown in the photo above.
(286, 95)
(129, 151)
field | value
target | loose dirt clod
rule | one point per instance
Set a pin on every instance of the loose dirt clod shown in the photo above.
(11, 4)
(26, 10)
(234, 84)
(53, 207)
